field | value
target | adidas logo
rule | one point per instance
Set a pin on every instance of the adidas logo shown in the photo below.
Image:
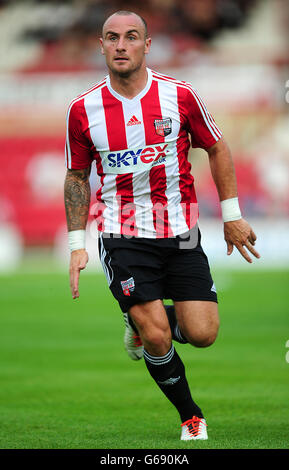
(133, 121)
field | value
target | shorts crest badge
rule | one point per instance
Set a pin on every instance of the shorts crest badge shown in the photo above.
(163, 127)
(128, 286)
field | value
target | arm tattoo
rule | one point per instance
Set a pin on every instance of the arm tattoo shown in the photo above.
(77, 198)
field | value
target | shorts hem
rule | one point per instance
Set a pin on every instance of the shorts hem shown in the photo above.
(125, 307)
(184, 299)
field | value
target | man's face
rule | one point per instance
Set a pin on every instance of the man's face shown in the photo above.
(124, 44)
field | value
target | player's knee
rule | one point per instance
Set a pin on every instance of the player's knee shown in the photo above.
(204, 341)
(158, 337)
(157, 340)
(203, 338)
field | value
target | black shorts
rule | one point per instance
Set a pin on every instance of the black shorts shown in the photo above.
(142, 269)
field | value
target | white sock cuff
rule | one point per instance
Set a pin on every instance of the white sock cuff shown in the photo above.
(159, 360)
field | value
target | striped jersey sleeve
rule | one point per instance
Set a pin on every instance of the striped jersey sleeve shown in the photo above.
(78, 147)
(200, 123)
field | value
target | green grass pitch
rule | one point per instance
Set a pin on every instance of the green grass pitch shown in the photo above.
(67, 383)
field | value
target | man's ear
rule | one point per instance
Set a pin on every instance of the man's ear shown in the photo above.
(101, 45)
(147, 45)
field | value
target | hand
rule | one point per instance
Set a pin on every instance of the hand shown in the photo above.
(78, 261)
(238, 233)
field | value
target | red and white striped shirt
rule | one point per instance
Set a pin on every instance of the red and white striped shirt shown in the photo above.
(141, 146)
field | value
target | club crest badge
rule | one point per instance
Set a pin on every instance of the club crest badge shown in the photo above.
(128, 286)
(163, 127)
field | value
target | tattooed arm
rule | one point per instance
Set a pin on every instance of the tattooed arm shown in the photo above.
(77, 200)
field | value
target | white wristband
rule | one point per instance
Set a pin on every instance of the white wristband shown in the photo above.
(76, 239)
(230, 209)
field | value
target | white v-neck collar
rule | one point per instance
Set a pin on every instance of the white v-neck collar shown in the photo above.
(135, 98)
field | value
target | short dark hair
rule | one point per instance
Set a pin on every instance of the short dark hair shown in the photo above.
(126, 13)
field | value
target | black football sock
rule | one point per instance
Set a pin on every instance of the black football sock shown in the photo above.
(168, 371)
(176, 332)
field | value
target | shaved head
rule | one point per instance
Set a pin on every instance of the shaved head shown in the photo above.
(127, 13)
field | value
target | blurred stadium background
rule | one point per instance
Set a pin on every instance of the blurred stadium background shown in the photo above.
(234, 52)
